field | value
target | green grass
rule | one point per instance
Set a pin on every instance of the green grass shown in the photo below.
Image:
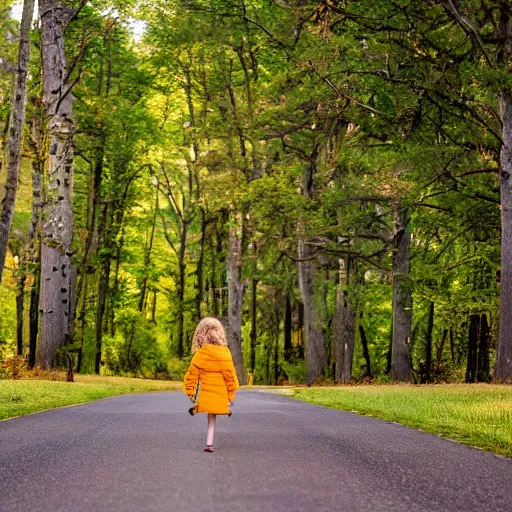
(479, 415)
(19, 397)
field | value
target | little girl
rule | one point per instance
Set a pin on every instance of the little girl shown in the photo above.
(211, 373)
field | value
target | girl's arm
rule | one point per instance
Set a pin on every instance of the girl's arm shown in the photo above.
(231, 380)
(190, 379)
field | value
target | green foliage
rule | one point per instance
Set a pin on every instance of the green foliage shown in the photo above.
(134, 350)
(313, 121)
(295, 371)
(176, 368)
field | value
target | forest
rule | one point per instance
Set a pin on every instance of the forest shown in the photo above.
(331, 178)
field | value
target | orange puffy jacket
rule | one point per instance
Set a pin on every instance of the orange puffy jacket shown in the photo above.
(212, 365)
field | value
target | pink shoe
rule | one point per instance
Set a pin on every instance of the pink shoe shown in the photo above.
(209, 448)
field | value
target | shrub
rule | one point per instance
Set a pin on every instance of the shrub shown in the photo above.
(176, 368)
(295, 370)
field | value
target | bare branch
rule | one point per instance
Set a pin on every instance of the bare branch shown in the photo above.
(328, 81)
(468, 29)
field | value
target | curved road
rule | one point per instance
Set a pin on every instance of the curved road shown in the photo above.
(145, 453)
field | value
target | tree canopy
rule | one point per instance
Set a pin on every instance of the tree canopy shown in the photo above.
(329, 178)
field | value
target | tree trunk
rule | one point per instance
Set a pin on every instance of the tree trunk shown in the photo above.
(217, 283)
(288, 329)
(349, 336)
(313, 315)
(474, 325)
(300, 330)
(180, 349)
(452, 346)
(428, 342)
(440, 349)
(338, 326)
(213, 284)
(254, 315)
(113, 291)
(482, 372)
(401, 367)
(103, 287)
(366, 353)
(200, 268)
(235, 297)
(147, 260)
(34, 319)
(15, 130)
(56, 267)
(389, 355)
(34, 243)
(20, 307)
(503, 368)
(153, 307)
(344, 328)
(83, 322)
(276, 332)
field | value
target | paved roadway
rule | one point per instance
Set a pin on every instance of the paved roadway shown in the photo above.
(138, 453)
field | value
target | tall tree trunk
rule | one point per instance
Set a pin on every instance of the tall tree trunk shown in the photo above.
(300, 330)
(338, 325)
(401, 367)
(103, 286)
(34, 319)
(56, 267)
(343, 328)
(474, 326)
(349, 335)
(20, 308)
(113, 292)
(452, 346)
(389, 355)
(366, 353)
(153, 307)
(276, 332)
(90, 246)
(215, 251)
(82, 319)
(482, 372)
(180, 349)
(313, 315)
(103, 289)
(254, 315)
(503, 368)
(440, 348)
(15, 130)
(288, 329)
(147, 259)
(428, 342)
(200, 268)
(235, 297)
(34, 243)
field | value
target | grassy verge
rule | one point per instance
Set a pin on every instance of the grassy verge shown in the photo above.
(479, 415)
(19, 397)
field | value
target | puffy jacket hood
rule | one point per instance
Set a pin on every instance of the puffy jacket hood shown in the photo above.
(211, 354)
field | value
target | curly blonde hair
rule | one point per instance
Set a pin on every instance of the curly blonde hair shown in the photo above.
(209, 330)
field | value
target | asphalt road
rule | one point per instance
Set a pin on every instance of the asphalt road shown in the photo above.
(145, 453)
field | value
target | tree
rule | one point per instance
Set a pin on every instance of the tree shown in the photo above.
(57, 272)
(15, 130)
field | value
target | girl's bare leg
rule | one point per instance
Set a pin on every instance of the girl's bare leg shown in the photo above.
(211, 429)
